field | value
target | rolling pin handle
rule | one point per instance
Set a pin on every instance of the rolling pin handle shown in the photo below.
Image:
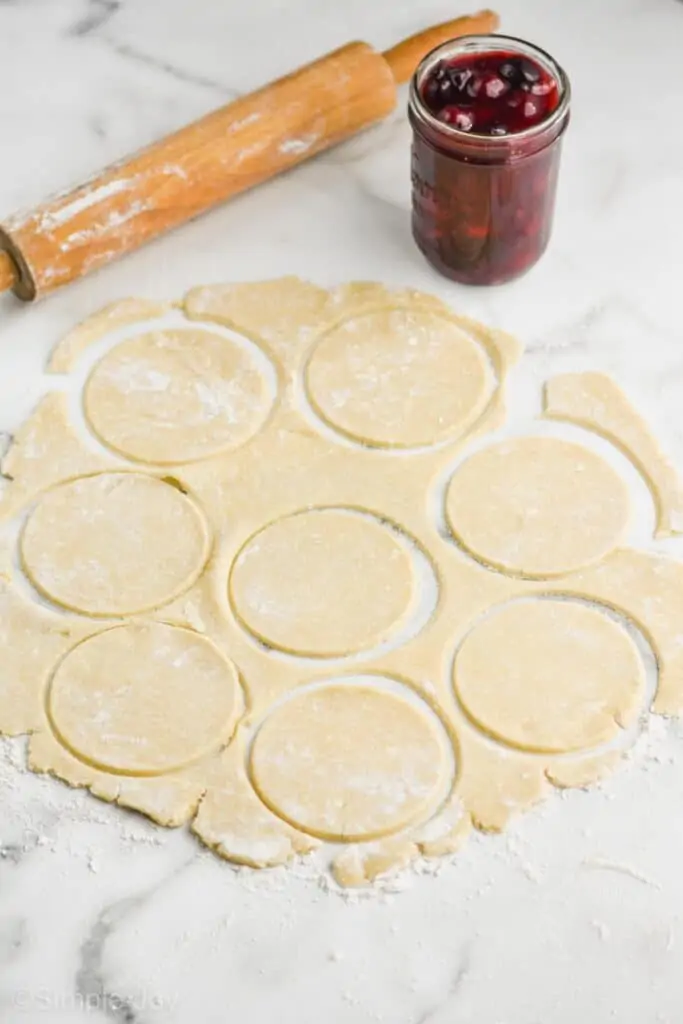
(405, 56)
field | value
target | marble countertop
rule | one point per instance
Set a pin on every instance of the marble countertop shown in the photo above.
(577, 912)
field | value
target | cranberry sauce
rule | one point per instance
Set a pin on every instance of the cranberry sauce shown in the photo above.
(495, 93)
(488, 113)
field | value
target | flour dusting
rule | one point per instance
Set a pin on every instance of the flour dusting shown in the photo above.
(85, 201)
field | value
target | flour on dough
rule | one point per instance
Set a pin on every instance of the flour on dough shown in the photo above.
(537, 506)
(236, 824)
(144, 699)
(85, 543)
(548, 675)
(322, 583)
(177, 395)
(348, 762)
(398, 378)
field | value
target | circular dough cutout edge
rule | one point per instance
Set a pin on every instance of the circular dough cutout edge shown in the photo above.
(402, 691)
(164, 478)
(492, 382)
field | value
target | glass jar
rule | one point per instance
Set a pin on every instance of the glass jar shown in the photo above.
(483, 205)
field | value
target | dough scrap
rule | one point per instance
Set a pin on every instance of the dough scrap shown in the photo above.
(361, 864)
(398, 378)
(143, 699)
(45, 451)
(446, 832)
(536, 506)
(594, 401)
(648, 590)
(237, 825)
(295, 583)
(176, 395)
(191, 743)
(347, 762)
(496, 783)
(277, 313)
(32, 639)
(169, 800)
(549, 676)
(581, 773)
(68, 351)
(85, 541)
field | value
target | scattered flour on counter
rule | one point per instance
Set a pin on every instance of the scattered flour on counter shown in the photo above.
(37, 816)
(621, 869)
(36, 806)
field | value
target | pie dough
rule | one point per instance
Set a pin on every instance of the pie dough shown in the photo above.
(348, 762)
(594, 401)
(68, 351)
(176, 396)
(537, 506)
(144, 699)
(187, 642)
(295, 584)
(398, 378)
(85, 541)
(551, 676)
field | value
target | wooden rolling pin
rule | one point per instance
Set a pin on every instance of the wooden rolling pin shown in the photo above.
(224, 153)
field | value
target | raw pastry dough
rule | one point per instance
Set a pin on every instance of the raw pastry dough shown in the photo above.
(234, 822)
(32, 640)
(176, 396)
(398, 378)
(66, 354)
(144, 699)
(537, 506)
(348, 762)
(594, 401)
(275, 543)
(551, 676)
(322, 583)
(46, 450)
(86, 541)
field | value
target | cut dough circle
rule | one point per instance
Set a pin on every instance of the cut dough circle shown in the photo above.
(144, 699)
(178, 395)
(348, 762)
(114, 543)
(537, 507)
(550, 676)
(322, 583)
(398, 378)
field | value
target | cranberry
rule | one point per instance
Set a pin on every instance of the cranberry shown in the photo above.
(511, 72)
(474, 87)
(531, 72)
(459, 80)
(458, 117)
(496, 86)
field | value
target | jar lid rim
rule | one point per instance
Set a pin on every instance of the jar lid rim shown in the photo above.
(471, 43)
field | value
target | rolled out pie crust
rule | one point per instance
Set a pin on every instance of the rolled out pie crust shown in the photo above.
(284, 748)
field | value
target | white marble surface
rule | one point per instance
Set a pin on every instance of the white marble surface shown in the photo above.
(576, 914)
